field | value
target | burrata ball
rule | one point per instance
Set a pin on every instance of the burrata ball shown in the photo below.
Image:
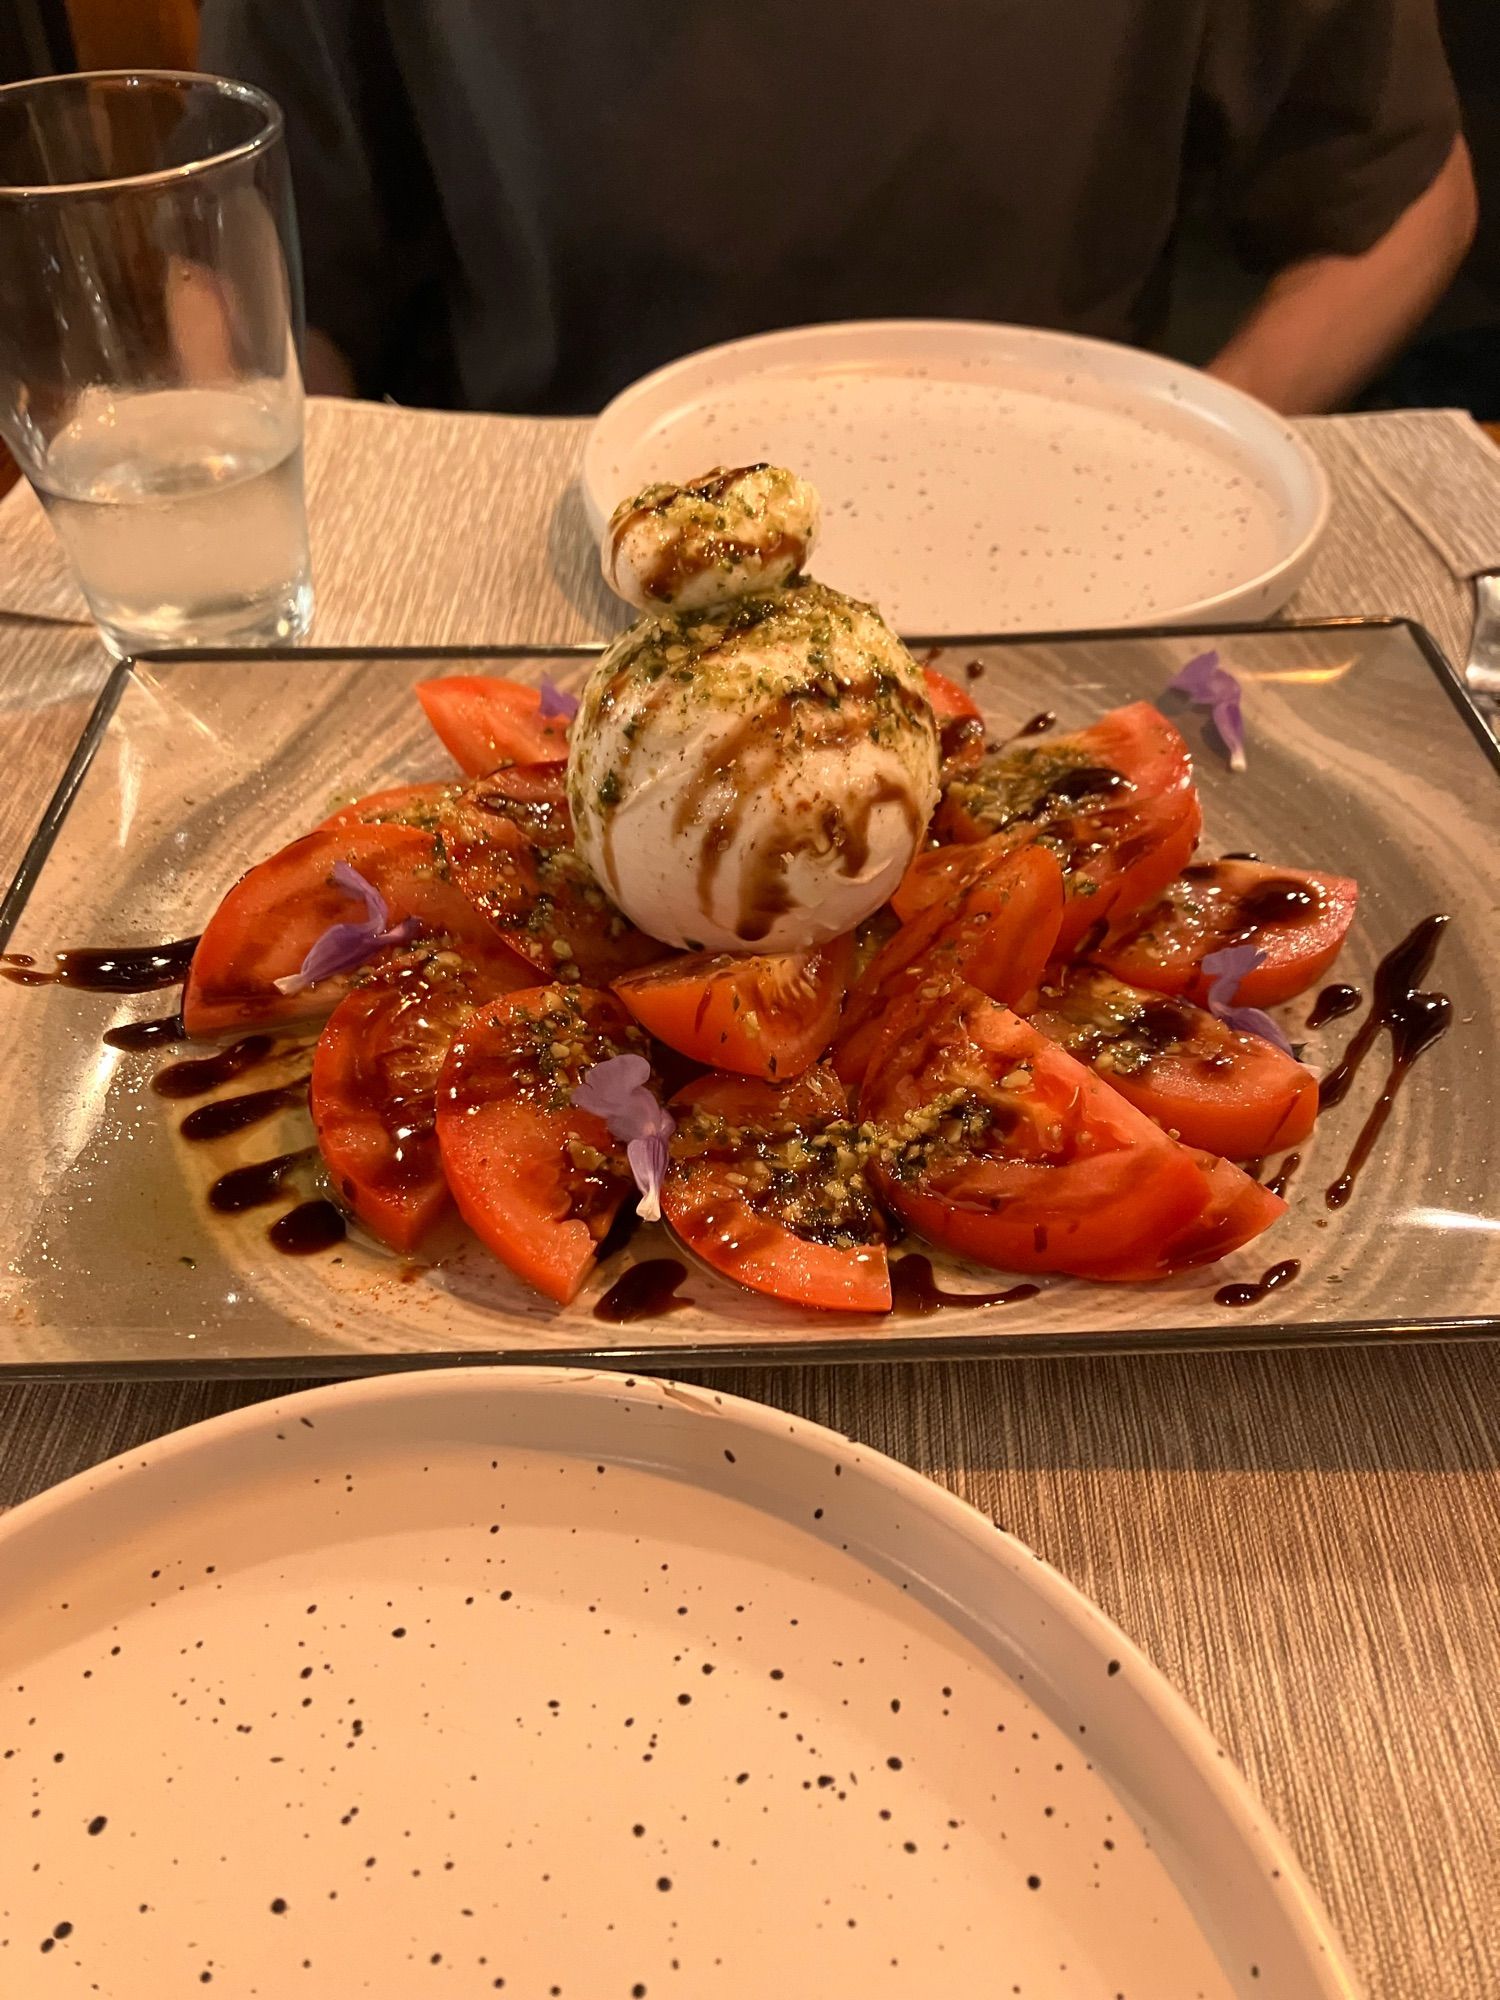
(733, 533)
(756, 778)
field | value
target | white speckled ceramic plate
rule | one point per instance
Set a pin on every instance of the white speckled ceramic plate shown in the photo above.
(992, 478)
(582, 1687)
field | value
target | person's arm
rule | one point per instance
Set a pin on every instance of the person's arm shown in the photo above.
(1331, 128)
(325, 366)
(1324, 325)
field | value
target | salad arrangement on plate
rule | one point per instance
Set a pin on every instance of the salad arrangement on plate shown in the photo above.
(760, 934)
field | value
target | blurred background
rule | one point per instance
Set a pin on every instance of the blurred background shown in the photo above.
(1454, 358)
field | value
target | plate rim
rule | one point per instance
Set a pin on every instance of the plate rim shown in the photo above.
(1158, 371)
(817, 1347)
(1327, 1966)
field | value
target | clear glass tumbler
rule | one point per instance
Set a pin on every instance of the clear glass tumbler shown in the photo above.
(150, 318)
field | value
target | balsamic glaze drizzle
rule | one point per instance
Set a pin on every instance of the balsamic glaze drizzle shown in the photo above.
(646, 1291)
(307, 1228)
(1413, 1020)
(914, 1287)
(1332, 1004)
(227, 1115)
(1251, 1294)
(107, 968)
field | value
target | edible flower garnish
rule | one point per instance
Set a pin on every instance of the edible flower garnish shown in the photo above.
(344, 946)
(1226, 969)
(1209, 685)
(557, 701)
(619, 1091)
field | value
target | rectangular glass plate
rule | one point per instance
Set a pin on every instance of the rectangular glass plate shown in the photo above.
(1364, 758)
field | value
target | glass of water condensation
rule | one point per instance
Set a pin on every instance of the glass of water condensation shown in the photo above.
(150, 316)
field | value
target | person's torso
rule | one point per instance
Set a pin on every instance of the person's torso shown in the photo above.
(622, 181)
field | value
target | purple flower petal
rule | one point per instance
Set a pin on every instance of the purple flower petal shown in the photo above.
(1251, 1021)
(648, 1162)
(344, 875)
(1208, 684)
(609, 1089)
(557, 701)
(1226, 969)
(1200, 678)
(618, 1091)
(343, 946)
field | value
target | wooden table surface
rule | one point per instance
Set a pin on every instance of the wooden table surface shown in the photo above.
(1307, 1543)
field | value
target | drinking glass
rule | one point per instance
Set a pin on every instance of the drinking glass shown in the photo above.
(150, 317)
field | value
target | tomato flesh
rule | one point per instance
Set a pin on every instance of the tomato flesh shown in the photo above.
(767, 1015)
(960, 724)
(1115, 802)
(995, 930)
(373, 1093)
(398, 805)
(509, 843)
(274, 914)
(1235, 1210)
(1212, 1087)
(993, 1142)
(537, 1180)
(484, 722)
(766, 1185)
(1299, 918)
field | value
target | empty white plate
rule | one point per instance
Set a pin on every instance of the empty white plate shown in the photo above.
(990, 478)
(581, 1687)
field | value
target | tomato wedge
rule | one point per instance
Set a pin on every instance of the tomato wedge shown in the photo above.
(509, 844)
(766, 1014)
(1235, 1210)
(273, 916)
(536, 1179)
(994, 1143)
(766, 1185)
(374, 1085)
(1211, 1087)
(398, 805)
(996, 931)
(484, 722)
(1115, 802)
(1299, 919)
(960, 724)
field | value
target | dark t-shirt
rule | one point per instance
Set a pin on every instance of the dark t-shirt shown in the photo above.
(523, 204)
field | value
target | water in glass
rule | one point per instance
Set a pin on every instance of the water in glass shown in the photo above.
(182, 512)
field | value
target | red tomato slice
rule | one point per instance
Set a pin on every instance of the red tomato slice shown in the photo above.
(994, 1143)
(1226, 1092)
(533, 797)
(509, 844)
(1115, 802)
(485, 722)
(1235, 1210)
(374, 1084)
(273, 916)
(940, 873)
(960, 724)
(995, 931)
(1298, 918)
(536, 1179)
(768, 1014)
(766, 1185)
(399, 805)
